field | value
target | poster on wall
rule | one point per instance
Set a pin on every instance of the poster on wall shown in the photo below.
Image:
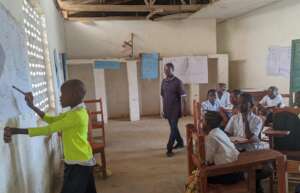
(190, 69)
(149, 66)
(279, 61)
(14, 68)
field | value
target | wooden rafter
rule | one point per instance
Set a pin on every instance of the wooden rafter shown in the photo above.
(105, 18)
(126, 8)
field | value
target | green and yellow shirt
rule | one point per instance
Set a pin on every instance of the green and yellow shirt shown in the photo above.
(74, 127)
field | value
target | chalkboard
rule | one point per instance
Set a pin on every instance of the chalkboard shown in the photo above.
(295, 66)
(14, 68)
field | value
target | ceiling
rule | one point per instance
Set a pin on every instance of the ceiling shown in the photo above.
(157, 9)
(127, 9)
(225, 9)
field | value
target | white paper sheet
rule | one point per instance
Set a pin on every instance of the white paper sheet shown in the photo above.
(190, 69)
(279, 61)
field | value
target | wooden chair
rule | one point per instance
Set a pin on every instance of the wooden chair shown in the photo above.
(196, 158)
(293, 156)
(98, 148)
(97, 124)
(198, 115)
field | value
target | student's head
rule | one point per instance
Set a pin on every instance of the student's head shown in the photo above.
(211, 95)
(297, 98)
(212, 120)
(272, 91)
(246, 102)
(234, 96)
(169, 69)
(221, 87)
(72, 93)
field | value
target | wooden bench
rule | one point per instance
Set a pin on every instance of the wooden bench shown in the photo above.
(247, 162)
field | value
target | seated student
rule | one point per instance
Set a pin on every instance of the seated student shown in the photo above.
(223, 96)
(245, 124)
(219, 149)
(248, 125)
(79, 160)
(272, 99)
(211, 104)
(234, 100)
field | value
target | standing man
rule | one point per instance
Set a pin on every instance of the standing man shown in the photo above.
(173, 96)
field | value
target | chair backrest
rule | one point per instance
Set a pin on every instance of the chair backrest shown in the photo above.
(287, 119)
(197, 116)
(98, 111)
(94, 115)
(90, 129)
(195, 148)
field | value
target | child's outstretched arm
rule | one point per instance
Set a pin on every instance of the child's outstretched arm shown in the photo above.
(29, 101)
(9, 132)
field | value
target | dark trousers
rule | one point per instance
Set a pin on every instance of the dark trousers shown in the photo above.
(261, 174)
(78, 179)
(174, 134)
(297, 190)
(226, 179)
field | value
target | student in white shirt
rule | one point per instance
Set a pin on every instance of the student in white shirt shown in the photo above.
(211, 104)
(223, 96)
(248, 125)
(272, 99)
(245, 124)
(219, 149)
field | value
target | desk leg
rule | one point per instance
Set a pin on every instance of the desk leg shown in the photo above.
(282, 174)
(252, 180)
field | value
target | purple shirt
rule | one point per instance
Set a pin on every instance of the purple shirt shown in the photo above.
(171, 92)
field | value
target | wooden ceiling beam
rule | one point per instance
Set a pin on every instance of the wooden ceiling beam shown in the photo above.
(126, 8)
(109, 18)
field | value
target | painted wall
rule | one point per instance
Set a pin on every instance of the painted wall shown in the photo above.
(30, 164)
(247, 39)
(149, 92)
(84, 72)
(104, 39)
(116, 83)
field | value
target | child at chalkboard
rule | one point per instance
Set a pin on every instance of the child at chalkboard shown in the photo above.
(79, 160)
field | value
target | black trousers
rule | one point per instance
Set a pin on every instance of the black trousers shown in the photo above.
(78, 179)
(226, 179)
(174, 134)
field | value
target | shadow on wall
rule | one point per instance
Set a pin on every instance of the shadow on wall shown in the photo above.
(236, 71)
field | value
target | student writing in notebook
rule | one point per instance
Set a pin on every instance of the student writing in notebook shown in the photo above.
(272, 99)
(219, 149)
(248, 125)
(245, 124)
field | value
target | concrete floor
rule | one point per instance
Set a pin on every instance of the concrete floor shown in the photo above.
(136, 156)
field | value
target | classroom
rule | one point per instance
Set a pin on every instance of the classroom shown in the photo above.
(152, 96)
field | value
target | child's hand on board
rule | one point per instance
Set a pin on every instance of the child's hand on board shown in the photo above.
(29, 99)
(7, 136)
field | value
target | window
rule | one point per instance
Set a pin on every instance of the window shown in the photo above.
(39, 65)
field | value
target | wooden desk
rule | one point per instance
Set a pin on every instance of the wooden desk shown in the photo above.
(251, 161)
